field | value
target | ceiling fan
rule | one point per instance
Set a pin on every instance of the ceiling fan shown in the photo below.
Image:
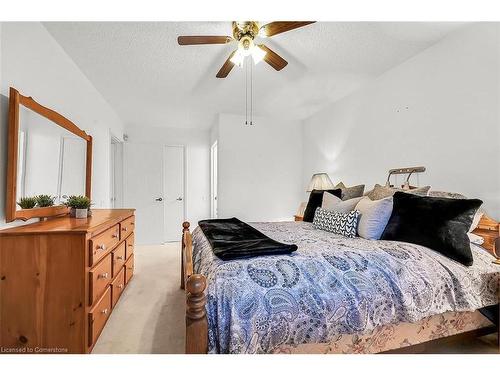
(245, 33)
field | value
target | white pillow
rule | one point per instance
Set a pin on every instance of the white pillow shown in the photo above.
(374, 216)
(333, 203)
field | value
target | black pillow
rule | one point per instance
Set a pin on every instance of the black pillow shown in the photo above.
(440, 224)
(315, 201)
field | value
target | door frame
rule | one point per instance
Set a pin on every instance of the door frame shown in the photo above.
(214, 170)
(184, 184)
(120, 183)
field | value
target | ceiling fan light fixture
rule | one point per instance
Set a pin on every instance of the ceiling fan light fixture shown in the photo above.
(238, 58)
(258, 54)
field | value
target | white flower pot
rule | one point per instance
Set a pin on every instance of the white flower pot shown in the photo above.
(81, 213)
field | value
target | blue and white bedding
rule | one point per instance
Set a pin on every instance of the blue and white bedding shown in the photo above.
(332, 285)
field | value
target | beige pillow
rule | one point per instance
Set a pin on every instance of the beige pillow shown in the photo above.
(381, 192)
(333, 203)
(350, 192)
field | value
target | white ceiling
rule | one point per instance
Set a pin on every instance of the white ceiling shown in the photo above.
(151, 81)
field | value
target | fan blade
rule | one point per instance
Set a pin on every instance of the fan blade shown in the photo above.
(279, 27)
(226, 68)
(273, 59)
(205, 39)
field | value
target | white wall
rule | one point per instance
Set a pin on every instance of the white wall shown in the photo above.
(35, 64)
(439, 109)
(259, 168)
(198, 163)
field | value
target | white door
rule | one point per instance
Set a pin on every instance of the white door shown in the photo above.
(173, 172)
(143, 190)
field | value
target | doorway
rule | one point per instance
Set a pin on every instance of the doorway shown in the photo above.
(155, 187)
(213, 180)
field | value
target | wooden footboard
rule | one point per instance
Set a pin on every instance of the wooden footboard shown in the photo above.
(195, 285)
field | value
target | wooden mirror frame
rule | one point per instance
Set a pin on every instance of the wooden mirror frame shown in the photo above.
(11, 211)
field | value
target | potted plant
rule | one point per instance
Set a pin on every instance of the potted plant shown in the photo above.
(27, 202)
(44, 200)
(79, 206)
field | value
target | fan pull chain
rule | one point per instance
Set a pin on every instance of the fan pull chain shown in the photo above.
(246, 95)
(251, 93)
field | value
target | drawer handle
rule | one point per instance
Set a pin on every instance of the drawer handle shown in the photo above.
(120, 286)
(115, 235)
(101, 247)
(103, 275)
(105, 311)
(130, 268)
(131, 245)
(124, 229)
(119, 258)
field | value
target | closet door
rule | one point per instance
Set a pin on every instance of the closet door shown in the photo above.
(173, 172)
(143, 190)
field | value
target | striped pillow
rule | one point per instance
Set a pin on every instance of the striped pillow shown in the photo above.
(341, 223)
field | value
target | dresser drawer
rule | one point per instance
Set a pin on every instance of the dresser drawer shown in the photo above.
(130, 245)
(98, 316)
(101, 244)
(127, 226)
(99, 278)
(118, 258)
(129, 269)
(117, 286)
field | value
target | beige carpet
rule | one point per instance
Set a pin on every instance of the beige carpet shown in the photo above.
(149, 318)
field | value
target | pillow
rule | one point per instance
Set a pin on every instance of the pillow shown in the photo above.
(333, 203)
(444, 194)
(315, 201)
(374, 216)
(440, 224)
(381, 192)
(350, 192)
(336, 222)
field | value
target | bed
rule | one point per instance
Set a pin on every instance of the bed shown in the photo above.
(333, 295)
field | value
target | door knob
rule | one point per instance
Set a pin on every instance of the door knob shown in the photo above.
(159, 199)
(179, 199)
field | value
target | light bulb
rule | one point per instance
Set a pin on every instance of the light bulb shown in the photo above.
(258, 54)
(237, 58)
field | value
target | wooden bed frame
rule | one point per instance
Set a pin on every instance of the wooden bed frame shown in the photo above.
(195, 286)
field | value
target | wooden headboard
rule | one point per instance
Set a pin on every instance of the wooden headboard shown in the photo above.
(489, 230)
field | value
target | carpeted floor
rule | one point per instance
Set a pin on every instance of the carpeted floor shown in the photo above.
(149, 318)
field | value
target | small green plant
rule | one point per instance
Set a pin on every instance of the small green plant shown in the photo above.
(78, 201)
(27, 202)
(44, 200)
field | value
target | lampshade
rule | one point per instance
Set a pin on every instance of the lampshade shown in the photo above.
(320, 181)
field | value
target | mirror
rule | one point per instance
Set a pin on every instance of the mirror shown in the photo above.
(48, 154)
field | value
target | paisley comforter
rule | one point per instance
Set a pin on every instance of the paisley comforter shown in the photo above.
(332, 285)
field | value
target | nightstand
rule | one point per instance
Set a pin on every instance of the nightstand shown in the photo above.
(489, 230)
(299, 218)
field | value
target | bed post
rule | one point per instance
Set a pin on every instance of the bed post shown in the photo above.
(196, 315)
(185, 228)
(195, 285)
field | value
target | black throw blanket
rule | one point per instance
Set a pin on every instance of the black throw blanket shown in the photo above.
(234, 239)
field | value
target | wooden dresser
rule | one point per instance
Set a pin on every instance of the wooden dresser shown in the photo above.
(60, 280)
